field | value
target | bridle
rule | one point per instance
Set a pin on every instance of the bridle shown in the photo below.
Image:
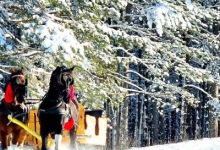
(18, 81)
(19, 85)
(65, 79)
(17, 88)
(61, 84)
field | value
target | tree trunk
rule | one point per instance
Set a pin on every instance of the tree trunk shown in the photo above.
(213, 119)
(162, 129)
(128, 10)
(155, 123)
(183, 115)
(124, 124)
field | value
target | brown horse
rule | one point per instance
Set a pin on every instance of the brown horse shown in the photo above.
(14, 104)
(56, 108)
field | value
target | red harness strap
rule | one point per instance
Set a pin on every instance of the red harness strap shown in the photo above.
(69, 124)
(9, 97)
(72, 93)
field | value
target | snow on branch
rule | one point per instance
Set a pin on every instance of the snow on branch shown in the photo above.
(3, 71)
(2, 37)
(214, 102)
(52, 37)
(162, 15)
(139, 89)
(189, 4)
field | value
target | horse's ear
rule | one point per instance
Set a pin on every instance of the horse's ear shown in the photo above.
(22, 70)
(71, 69)
(12, 70)
(59, 69)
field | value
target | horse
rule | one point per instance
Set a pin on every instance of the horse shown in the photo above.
(14, 104)
(56, 107)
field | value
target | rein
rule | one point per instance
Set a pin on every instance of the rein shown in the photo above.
(66, 73)
(16, 117)
(18, 88)
(67, 89)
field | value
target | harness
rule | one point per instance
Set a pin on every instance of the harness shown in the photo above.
(54, 110)
(61, 107)
(9, 93)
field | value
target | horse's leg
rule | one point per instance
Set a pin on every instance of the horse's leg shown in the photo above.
(4, 139)
(15, 136)
(21, 138)
(72, 134)
(44, 136)
(58, 140)
(59, 131)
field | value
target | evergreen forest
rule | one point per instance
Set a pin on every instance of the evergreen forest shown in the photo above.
(152, 66)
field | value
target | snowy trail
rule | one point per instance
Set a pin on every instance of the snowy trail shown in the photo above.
(203, 144)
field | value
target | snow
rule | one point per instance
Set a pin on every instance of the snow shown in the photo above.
(55, 38)
(47, 43)
(9, 47)
(2, 41)
(163, 16)
(203, 144)
(2, 38)
(189, 4)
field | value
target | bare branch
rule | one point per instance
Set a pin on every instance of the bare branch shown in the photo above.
(3, 71)
(190, 85)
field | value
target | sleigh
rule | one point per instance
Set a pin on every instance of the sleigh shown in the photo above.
(92, 129)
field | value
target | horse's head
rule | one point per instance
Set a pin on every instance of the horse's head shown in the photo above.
(18, 83)
(60, 81)
(17, 75)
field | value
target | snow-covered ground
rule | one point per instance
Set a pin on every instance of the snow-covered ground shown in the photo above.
(203, 144)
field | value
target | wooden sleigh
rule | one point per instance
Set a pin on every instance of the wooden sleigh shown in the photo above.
(92, 129)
